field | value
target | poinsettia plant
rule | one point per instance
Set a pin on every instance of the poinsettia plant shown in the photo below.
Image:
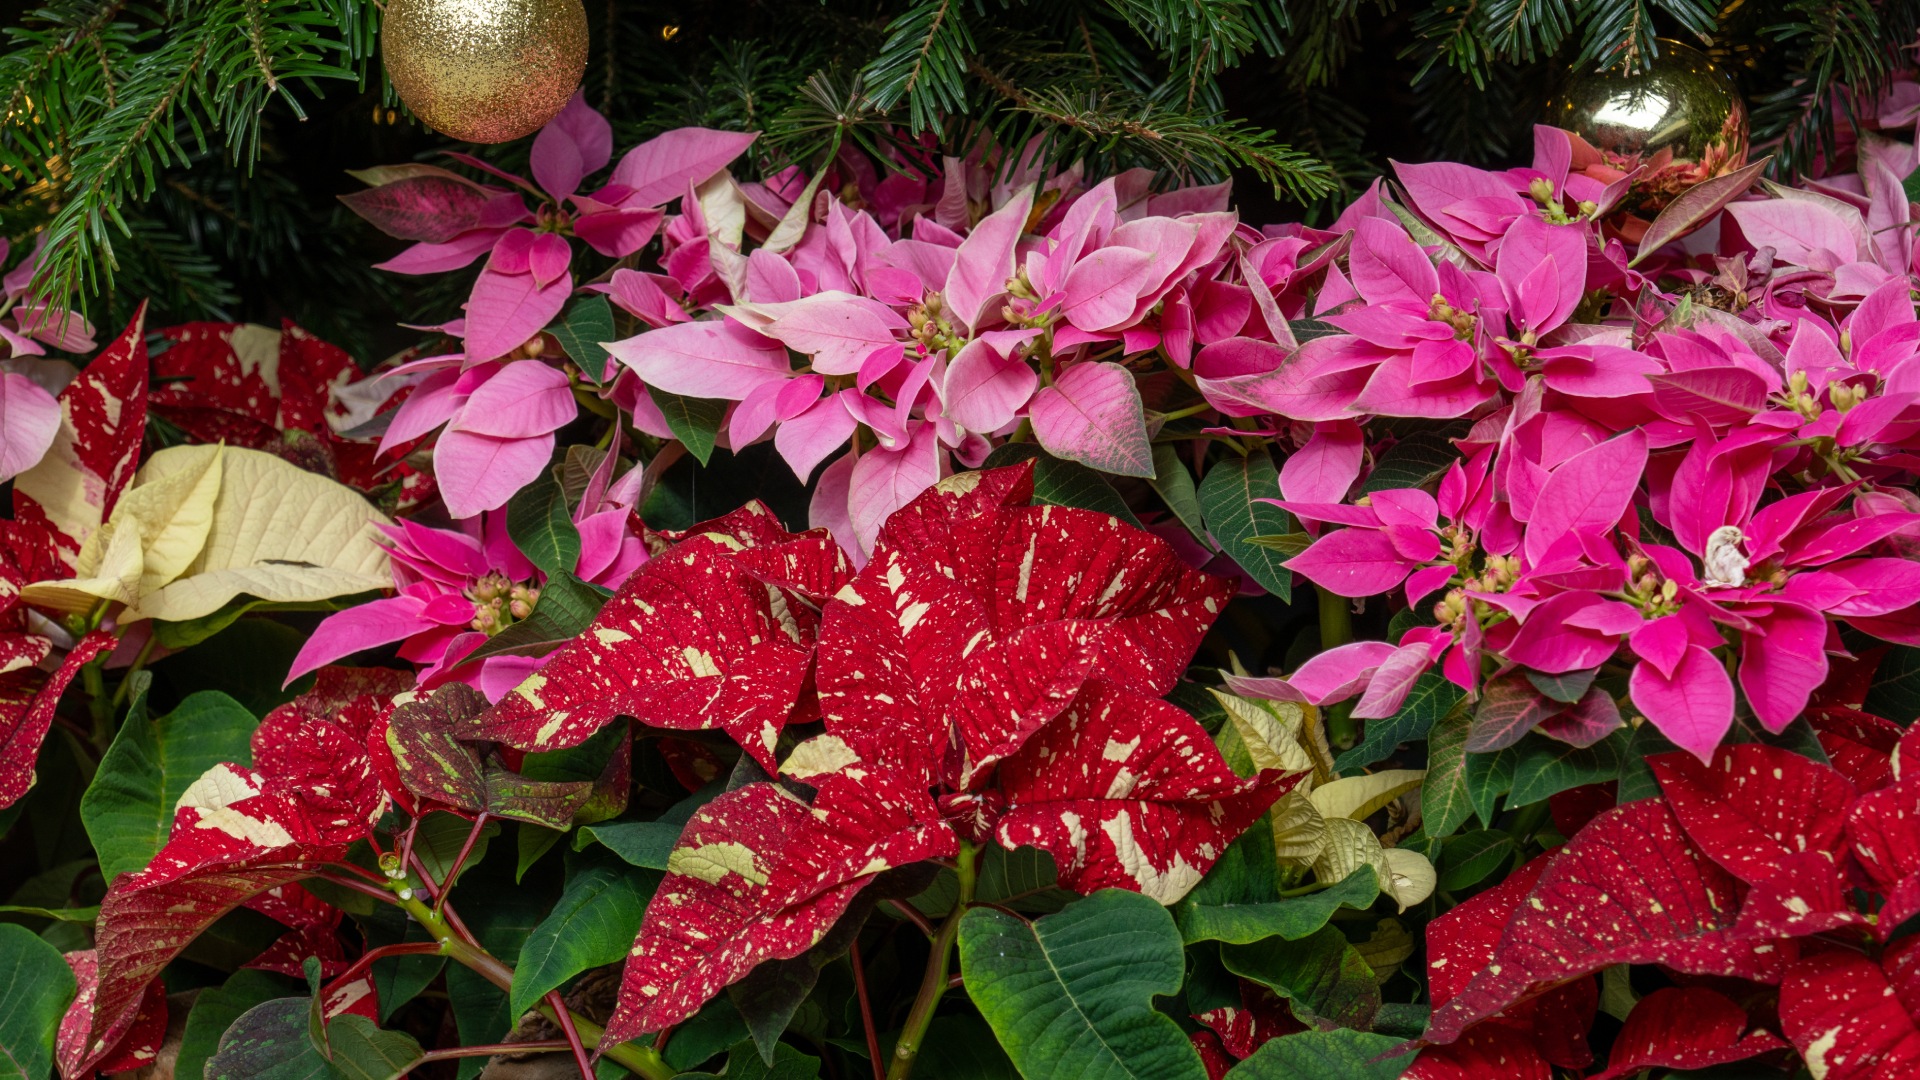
(928, 615)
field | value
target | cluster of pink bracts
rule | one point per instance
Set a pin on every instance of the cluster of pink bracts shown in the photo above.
(1692, 450)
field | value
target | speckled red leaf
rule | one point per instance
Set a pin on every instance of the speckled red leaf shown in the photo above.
(103, 419)
(1262, 1015)
(1859, 744)
(1853, 1019)
(693, 640)
(1685, 1028)
(1883, 831)
(1488, 1051)
(278, 379)
(28, 698)
(1213, 1056)
(1755, 805)
(760, 875)
(983, 618)
(694, 765)
(313, 924)
(135, 1045)
(357, 996)
(1127, 791)
(1629, 889)
(237, 833)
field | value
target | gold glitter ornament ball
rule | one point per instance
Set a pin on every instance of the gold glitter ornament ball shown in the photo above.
(485, 71)
(1678, 115)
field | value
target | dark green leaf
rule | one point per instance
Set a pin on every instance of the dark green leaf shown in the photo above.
(398, 979)
(1489, 776)
(587, 323)
(180, 635)
(1228, 503)
(1546, 767)
(1431, 698)
(1470, 857)
(269, 1042)
(439, 838)
(594, 923)
(1290, 919)
(217, 1007)
(1895, 693)
(647, 843)
(962, 1047)
(362, 1051)
(566, 608)
(1509, 708)
(1446, 802)
(694, 421)
(1070, 995)
(1025, 872)
(605, 760)
(1175, 485)
(502, 917)
(1415, 461)
(1324, 1055)
(35, 987)
(531, 843)
(1565, 689)
(542, 527)
(1287, 544)
(1323, 974)
(128, 809)
(744, 1063)
(1305, 330)
(1063, 483)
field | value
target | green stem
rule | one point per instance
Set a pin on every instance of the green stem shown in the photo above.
(1336, 629)
(934, 983)
(94, 680)
(139, 663)
(1191, 410)
(642, 1060)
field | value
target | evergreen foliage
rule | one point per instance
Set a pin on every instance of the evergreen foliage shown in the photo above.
(186, 150)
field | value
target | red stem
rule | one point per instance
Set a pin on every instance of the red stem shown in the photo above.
(362, 872)
(660, 1040)
(487, 1050)
(912, 915)
(358, 886)
(866, 1011)
(453, 872)
(404, 948)
(561, 1013)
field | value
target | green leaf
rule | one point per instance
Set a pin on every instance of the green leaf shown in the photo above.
(1322, 974)
(502, 917)
(1470, 857)
(531, 843)
(1895, 693)
(744, 1063)
(398, 979)
(962, 1047)
(269, 1042)
(128, 809)
(594, 923)
(188, 632)
(439, 838)
(1324, 1055)
(1290, 919)
(1445, 800)
(1546, 767)
(1431, 698)
(542, 527)
(83, 915)
(694, 421)
(1063, 483)
(1488, 777)
(363, 1051)
(1175, 486)
(587, 323)
(604, 760)
(566, 608)
(1415, 461)
(1070, 995)
(35, 987)
(647, 843)
(1025, 872)
(216, 1008)
(1227, 504)
(1566, 689)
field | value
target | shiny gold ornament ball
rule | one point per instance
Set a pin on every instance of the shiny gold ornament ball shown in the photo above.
(1678, 115)
(485, 71)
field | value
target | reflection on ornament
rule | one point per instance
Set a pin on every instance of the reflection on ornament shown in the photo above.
(1679, 117)
(485, 70)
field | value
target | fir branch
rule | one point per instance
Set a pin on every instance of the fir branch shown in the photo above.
(923, 63)
(1116, 126)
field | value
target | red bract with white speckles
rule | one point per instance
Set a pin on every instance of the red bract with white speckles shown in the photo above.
(759, 874)
(1686, 1028)
(1127, 791)
(1630, 889)
(1852, 1018)
(695, 639)
(1001, 655)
